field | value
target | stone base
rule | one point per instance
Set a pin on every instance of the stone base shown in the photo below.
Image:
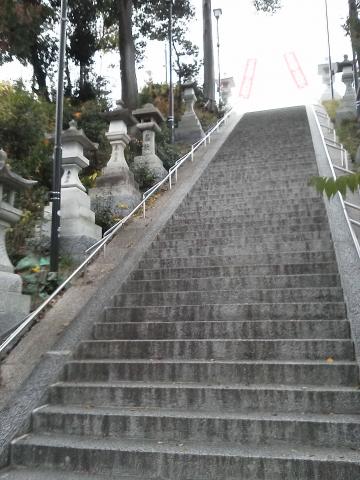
(115, 194)
(75, 246)
(14, 306)
(153, 164)
(345, 114)
(189, 130)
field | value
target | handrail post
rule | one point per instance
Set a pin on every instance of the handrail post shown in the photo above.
(144, 209)
(170, 183)
(192, 153)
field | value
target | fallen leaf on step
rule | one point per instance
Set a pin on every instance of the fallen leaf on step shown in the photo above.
(329, 360)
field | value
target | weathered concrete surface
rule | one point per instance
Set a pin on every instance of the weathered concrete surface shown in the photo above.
(39, 358)
(226, 353)
(346, 255)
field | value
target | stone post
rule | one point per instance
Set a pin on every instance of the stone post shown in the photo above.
(13, 305)
(116, 191)
(78, 229)
(227, 84)
(347, 109)
(189, 130)
(323, 71)
(149, 118)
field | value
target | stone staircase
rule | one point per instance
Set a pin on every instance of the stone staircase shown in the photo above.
(227, 354)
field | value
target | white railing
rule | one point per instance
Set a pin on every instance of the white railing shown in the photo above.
(17, 334)
(344, 169)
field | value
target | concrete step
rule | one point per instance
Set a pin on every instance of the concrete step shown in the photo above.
(338, 373)
(202, 397)
(218, 349)
(46, 474)
(175, 461)
(241, 240)
(240, 197)
(213, 427)
(231, 283)
(229, 312)
(237, 220)
(265, 329)
(256, 231)
(236, 271)
(258, 202)
(236, 249)
(264, 213)
(280, 295)
(277, 258)
(275, 224)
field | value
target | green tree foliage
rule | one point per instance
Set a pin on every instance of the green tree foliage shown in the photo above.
(342, 184)
(26, 33)
(24, 123)
(269, 6)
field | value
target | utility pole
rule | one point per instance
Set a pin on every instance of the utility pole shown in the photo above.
(55, 194)
(171, 86)
(217, 14)
(329, 50)
(209, 74)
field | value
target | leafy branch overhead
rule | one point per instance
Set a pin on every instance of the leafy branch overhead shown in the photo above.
(342, 185)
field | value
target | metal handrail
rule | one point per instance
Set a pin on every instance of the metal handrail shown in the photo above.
(17, 334)
(349, 221)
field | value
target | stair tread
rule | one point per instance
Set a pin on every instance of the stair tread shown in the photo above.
(196, 385)
(44, 474)
(290, 451)
(195, 414)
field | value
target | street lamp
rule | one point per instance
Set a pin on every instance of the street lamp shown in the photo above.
(55, 194)
(171, 87)
(217, 14)
(329, 49)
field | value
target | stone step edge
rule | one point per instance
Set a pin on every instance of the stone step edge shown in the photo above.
(316, 418)
(282, 453)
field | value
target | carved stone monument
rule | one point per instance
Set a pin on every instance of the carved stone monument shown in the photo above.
(13, 305)
(347, 109)
(189, 130)
(324, 72)
(149, 118)
(78, 229)
(116, 191)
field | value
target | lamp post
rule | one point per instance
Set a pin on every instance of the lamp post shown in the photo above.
(217, 14)
(329, 50)
(171, 87)
(55, 194)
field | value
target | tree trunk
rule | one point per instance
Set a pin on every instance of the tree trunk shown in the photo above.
(39, 74)
(354, 25)
(129, 87)
(209, 73)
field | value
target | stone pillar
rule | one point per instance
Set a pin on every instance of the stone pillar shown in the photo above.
(323, 71)
(149, 118)
(116, 191)
(189, 130)
(78, 229)
(227, 84)
(13, 305)
(347, 109)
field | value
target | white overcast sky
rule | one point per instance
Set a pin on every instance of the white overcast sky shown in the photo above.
(299, 27)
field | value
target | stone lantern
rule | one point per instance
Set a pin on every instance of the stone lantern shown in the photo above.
(149, 118)
(189, 130)
(13, 305)
(347, 109)
(78, 230)
(116, 191)
(324, 72)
